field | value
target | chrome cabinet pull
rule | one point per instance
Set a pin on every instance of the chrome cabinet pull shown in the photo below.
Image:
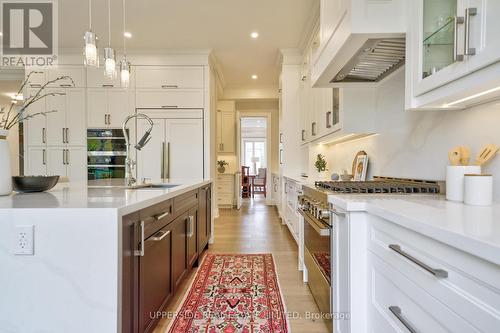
(67, 135)
(44, 157)
(169, 107)
(457, 57)
(190, 226)
(162, 161)
(161, 216)
(467, 49)
(396, 311)
(67, 156)
(168, 161)
(64, 156)
(159, 236)
(109, 119)
(439, 273)
(313, 128)
(107, 85)
(63, 135)
(303, 135)
(169, 86)
(65, 85)
(140, 252)
(328, 122)
(35, 85)
(44, 135)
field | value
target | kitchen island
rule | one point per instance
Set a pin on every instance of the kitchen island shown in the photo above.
(102, 259)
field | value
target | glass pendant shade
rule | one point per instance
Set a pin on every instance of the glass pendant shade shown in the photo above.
(91, 56)
(125, 73)
(109, 63)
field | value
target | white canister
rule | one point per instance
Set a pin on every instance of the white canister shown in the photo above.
(478, 189)
(455, 180)
(5, 170)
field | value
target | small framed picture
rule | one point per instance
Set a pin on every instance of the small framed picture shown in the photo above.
(361, 167)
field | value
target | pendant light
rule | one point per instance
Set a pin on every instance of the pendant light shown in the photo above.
(109, 52)
(124, 64)
(91, 56)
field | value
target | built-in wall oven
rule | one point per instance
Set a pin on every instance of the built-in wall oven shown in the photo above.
(318, 244)
(106, 153)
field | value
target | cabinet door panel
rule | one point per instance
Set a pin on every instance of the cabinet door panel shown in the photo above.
(36, 127)
(96, 79)
(202, 225)
(155, 276)
(37, 161)
(227, 132)
(75, 117)
(169, 77)
(97, 107)
(76, 159)
(164, 98)
(56, 162)
(150, 160)
(179, 249)
(184, 139)
(77, 73)
(118, 106)
(56, 121)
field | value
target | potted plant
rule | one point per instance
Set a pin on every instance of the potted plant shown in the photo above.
(221, 166)
(16, 114)
(320, 163)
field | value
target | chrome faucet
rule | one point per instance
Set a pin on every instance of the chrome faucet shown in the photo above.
(129, 162)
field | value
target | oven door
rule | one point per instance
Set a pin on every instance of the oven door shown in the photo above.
(317, 258)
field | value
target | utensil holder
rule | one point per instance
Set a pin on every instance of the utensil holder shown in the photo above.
(455, 180)
(478, 190)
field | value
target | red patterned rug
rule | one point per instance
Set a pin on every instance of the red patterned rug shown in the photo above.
(323, 259)
(233, 293)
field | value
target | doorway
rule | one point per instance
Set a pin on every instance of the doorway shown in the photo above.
(253, 143)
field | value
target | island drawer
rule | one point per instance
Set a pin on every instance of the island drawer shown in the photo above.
(156, 217)
(467, 284)
(184, 202)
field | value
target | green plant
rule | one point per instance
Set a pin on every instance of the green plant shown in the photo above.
(320, 163)
(222, 163)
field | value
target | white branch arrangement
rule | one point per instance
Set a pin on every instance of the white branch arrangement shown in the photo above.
(9, 118)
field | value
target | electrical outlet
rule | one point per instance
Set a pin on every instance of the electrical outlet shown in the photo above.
(23, 240)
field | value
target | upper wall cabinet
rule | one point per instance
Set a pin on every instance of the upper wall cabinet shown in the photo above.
(169, 77)
(226, 120)
(453, 53)
(360, 41)
(43, 75)
(97, 79)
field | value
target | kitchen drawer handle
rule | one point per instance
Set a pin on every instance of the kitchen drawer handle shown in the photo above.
(396, 311)
(159, 236)
(313, 128)
(467, 49)
(328, 117)
(303, 135)
(140, 251)
(457, 57)
(35, 85)
(190, 226)
(44, 135)
(169, 107)
(107, 85)
(169, 86)
(161, 216)
(436, 272)
(66, 85)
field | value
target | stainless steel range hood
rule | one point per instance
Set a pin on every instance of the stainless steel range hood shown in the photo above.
(375, 60)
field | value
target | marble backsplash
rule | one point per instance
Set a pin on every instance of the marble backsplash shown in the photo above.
(415, 144)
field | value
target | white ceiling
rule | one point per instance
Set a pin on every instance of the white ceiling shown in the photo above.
(221, 25)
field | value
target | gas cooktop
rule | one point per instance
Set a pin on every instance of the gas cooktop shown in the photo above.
(381, 185)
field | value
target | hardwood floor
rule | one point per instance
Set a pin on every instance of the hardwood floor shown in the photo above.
(256, 228)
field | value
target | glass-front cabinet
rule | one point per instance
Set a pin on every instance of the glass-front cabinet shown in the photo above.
(447, 41)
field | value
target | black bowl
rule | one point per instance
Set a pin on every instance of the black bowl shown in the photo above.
(28, 184)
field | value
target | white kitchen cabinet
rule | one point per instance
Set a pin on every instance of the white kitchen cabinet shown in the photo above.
(68, 124)
(306, 99)
(175, 150)
(169, 77)
(225, 190)
(169, 99)
(36, 128)
(107, 107)
(67, 162)
(226, 125)
(97, 79)
(453, 52)
(36, 161)
(77, 73)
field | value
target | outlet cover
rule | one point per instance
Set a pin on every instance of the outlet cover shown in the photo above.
(23, 240)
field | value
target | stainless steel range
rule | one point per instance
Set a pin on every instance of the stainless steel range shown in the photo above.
(325, 238)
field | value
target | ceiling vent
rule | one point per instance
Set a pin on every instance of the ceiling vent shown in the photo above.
(375, 60)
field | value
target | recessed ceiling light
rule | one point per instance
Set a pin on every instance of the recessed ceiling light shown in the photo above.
(127, 34)
(255, 77)
(254, 34)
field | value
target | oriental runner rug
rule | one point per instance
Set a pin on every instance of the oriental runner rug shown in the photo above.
(233, 293)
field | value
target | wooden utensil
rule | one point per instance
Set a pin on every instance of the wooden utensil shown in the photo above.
(454, 155)
(464, 155)
(486, 154)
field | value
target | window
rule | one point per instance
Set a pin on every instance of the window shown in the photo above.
(254, 154)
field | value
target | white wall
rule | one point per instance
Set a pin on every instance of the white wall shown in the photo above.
(415, 144)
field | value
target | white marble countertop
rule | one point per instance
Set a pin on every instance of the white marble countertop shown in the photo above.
(472, 229)
(79, 196)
